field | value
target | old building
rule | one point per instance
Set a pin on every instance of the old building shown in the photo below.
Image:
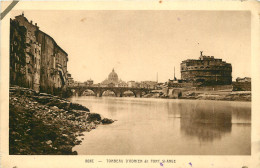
(245, 79)
(25, 54)
(36, 61)
(242, 84)
(131, 84)
(53, 64)
(207, 70)
(148, 84)
(113, 81)
(70, 80)
(89, 82)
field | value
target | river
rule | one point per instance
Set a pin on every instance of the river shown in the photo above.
(147, 126)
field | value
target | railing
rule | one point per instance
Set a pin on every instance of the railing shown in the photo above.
(86, 86)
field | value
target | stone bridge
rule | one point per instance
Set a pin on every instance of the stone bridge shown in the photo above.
(98, 91)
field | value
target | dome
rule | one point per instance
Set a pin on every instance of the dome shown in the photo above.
(113, 76)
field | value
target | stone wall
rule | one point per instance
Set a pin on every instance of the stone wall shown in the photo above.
(181, 85)
(214, 88)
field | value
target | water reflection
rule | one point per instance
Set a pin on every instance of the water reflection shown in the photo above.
(209, 121)
(167, 127)
(205, 131)
(241, 114)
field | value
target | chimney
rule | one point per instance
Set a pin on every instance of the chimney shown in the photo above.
(35, 24)
(201, 56)
(23, 13)
(174, 73)
(31, 22)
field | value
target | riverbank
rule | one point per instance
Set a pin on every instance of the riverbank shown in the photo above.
(203, 95)
(218, 95)
(43, 124)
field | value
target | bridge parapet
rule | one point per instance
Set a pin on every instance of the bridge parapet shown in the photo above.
(117, 90)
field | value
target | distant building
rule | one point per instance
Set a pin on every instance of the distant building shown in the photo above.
(245, 79)
(113, 81)
(206, 71)
(172, 82)
(70, 80)
(89, 82)
(36, 61)
(77, 83)
(242, 84)
(148, 84)
(131, 84)
(121, 84)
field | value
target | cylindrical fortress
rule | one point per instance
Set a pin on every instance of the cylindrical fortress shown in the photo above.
(206, 71)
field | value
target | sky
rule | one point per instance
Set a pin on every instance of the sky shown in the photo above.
(138, 44)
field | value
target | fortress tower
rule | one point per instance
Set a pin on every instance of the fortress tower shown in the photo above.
(207, 70)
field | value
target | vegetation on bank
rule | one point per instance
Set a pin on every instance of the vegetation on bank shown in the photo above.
(42, 124)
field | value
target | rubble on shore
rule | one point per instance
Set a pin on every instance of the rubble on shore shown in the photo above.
(42, 124)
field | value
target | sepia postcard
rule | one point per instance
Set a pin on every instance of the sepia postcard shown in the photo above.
(163, 84)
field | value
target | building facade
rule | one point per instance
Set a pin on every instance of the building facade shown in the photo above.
(36, 61)
(207, 70)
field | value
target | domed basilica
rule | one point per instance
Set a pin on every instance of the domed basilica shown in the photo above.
(113, 81)
(113, 77)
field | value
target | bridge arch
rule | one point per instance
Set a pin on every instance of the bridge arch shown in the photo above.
(108, 91)
(176, 93)
(128, 93)
(74, 92)
(88, 92)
